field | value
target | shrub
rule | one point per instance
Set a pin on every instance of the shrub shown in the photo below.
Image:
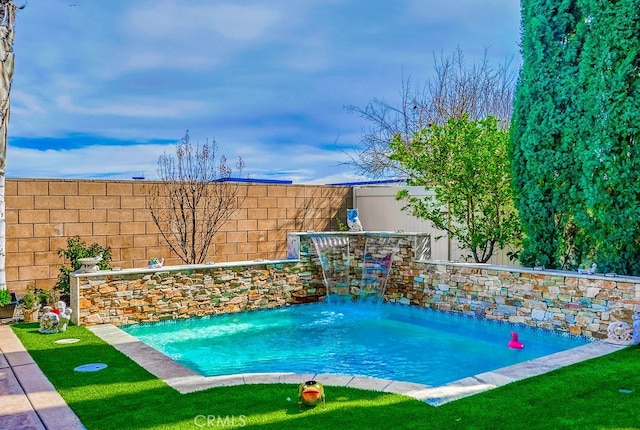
(5, 297)
(76, 249)
(28, 300)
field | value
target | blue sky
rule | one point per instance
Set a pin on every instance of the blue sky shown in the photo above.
(102, 88)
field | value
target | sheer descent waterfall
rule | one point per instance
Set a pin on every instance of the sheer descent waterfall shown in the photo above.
(334, 253)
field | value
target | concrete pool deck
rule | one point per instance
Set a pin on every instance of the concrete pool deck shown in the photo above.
(185, 380)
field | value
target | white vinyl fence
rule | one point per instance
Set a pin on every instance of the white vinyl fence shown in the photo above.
(380, 211)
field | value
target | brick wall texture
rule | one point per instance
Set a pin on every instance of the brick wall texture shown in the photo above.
(42, 214)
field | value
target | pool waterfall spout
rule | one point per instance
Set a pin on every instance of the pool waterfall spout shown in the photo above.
(341, 265)
(335, 260)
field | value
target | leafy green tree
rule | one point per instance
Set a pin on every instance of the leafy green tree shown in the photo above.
(544, 166)
(466, 163)
(609, 143)
(574, 134)
(454, 89)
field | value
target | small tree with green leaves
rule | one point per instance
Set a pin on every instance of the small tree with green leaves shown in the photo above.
(453, 90)
(465, 162)
(76, 249)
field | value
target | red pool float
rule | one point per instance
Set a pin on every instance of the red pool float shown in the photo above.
(514, 343)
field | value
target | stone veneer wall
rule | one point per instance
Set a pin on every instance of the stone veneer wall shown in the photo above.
(565, 301)
(148, 295)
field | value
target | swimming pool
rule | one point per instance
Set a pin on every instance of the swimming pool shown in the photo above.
(380, 340)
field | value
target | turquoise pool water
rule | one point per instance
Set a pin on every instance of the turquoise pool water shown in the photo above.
(398, 342)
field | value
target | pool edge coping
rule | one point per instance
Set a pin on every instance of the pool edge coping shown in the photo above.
(185, 380)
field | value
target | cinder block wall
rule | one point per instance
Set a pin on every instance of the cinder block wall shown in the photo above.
(42, 214)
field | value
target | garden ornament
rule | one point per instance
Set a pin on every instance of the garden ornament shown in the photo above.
(55, 319)
(49, 321)
(636, 329)
(619, 332)
(89, 264)
(353, 222)
(310, 393)
(155, 263)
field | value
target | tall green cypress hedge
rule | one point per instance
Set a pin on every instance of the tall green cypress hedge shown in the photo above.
(541, 151)
(574, 132)
(609, 143)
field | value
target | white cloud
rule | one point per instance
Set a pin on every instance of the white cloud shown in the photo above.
(91, 161)
(460, 11)
(147, 60)
(133, 108)
(171, 20)
(124, 161)
(26, 104)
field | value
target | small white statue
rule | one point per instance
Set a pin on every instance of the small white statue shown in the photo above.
(64, 316)
(353, 222)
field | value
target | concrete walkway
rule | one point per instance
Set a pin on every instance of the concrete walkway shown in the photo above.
(27, 399)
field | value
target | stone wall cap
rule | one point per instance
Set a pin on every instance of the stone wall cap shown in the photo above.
(177, 268)
(550, 272)
(399, 233)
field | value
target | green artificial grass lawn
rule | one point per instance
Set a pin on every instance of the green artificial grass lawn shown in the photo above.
(125, 396)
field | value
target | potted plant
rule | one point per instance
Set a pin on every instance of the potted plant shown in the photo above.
(76, 251)
(7, 304)
(30, 307)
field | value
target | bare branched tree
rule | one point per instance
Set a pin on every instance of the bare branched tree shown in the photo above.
(453, 91)
(194, 198)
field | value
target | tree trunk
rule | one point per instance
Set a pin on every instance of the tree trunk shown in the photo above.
(3, 241)
(7, 18)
